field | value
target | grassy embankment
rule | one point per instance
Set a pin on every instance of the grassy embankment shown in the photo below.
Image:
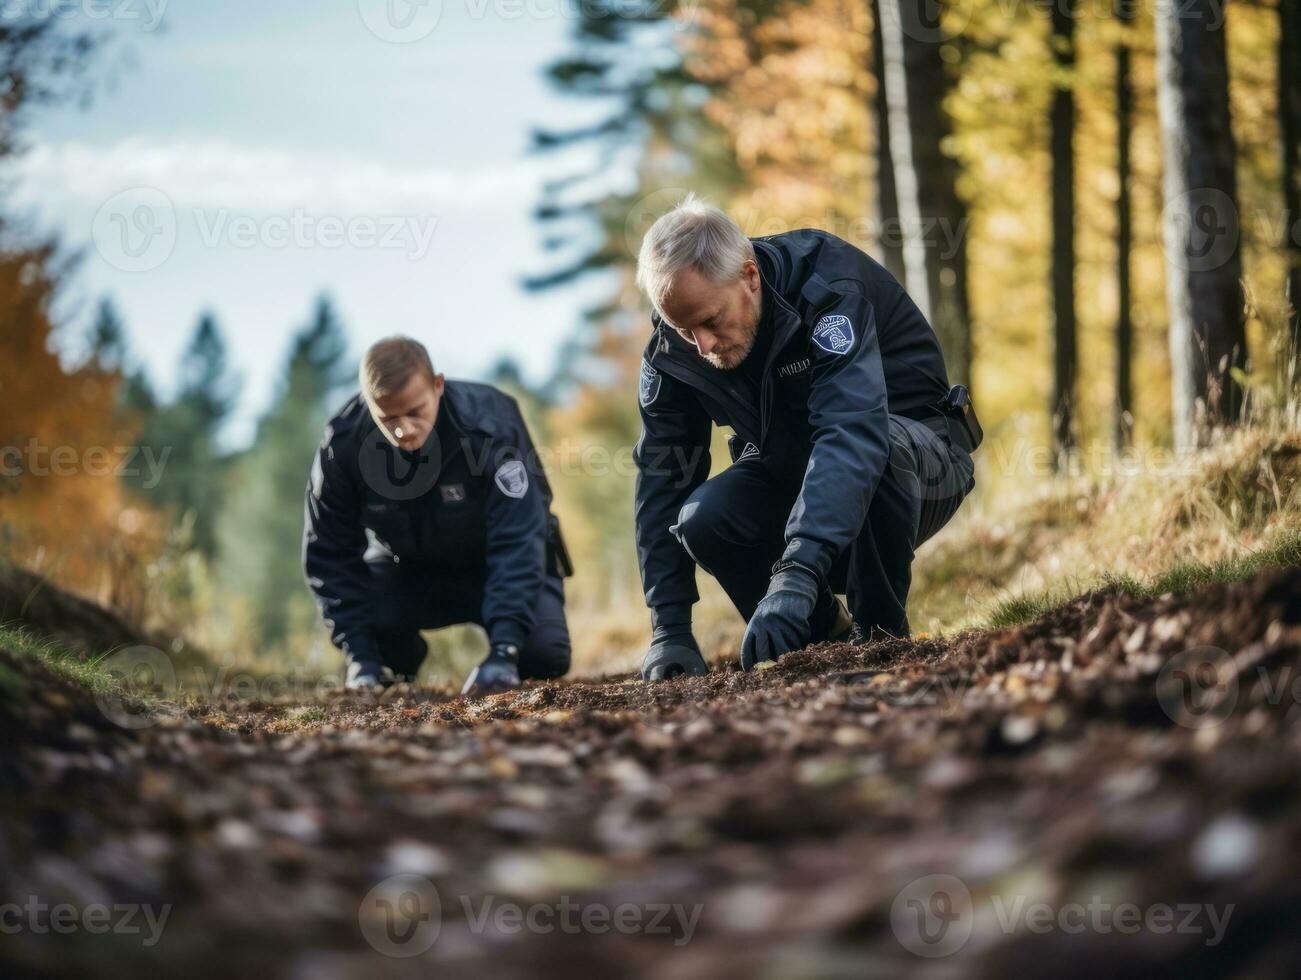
(1163, 525)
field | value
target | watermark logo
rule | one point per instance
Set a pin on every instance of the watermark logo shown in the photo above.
(138, 672)
(397, 474)
(401, 916)
(1198, 688)
(1202, 229)
(932, 916)
(135, 230)
(401, 21)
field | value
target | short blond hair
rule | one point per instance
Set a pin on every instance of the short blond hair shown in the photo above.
(389, 365)
(694, 235)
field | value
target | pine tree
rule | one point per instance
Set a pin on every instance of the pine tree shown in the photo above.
(261, 523)
(187, 430)
(108, 343)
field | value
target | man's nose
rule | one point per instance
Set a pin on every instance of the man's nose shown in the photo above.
(704, 342)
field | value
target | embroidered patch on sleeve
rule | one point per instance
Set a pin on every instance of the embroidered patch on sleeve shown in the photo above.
(834, 334)
(512, 479)
(649, 389)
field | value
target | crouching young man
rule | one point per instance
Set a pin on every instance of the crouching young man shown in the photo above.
(426, 508)
(850, 448)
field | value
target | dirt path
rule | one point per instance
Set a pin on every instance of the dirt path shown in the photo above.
(1045, 800)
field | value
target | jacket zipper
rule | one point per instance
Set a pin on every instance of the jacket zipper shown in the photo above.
(779, 344)
(687, 374)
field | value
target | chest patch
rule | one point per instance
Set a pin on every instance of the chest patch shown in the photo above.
(834, 334)
(512, 479)
(649, 387)
(453, 493)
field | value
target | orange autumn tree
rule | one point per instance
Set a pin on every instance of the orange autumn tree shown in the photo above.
(62, 510)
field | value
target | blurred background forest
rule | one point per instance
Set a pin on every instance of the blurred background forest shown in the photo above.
(1096, 204)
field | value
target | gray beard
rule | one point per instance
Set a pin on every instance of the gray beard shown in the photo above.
(746, 352)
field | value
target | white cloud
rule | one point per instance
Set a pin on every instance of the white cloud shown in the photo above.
(261, 180)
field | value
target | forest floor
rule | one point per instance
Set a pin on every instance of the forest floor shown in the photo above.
(1111, 789)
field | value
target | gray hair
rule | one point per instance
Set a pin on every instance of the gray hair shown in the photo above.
(693, 235)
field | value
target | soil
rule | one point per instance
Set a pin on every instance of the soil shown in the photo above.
(1064, 779)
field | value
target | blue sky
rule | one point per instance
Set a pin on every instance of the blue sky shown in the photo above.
(248, 156)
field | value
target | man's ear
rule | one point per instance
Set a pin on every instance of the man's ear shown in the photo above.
(439, 383)
(750, 275)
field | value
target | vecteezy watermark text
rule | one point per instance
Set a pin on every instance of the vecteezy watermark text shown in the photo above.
(39, 460)
(147, 13)
(933, 916)
(137, 230)
(63, 918)
(402, 916)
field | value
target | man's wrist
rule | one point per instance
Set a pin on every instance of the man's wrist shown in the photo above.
(505, 633)
(505, 651)
(807, 554)
(675, 615)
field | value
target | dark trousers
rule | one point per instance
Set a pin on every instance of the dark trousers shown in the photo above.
(412, 598)
(734, 526)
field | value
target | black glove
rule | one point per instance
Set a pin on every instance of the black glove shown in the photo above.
(498, 672)
(783, 620)
(673, 650)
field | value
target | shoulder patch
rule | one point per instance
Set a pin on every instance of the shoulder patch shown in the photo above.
(512, 478)
(649, 387)
(834, 334)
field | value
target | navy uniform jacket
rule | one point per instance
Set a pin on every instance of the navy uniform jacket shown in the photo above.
(475, 503)
(848, 347)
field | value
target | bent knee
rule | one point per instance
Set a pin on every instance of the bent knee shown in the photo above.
(697, 528)
(548, 659)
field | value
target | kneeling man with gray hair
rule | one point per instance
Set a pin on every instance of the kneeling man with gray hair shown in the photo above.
(427, 507)
(849, 448)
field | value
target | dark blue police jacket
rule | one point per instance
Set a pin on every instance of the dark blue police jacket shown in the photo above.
(847, 346)
(473, 502)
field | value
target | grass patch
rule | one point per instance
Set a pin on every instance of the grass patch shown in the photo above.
(1155, 524)
(1182, 578)
(72, 666)
(308, 714)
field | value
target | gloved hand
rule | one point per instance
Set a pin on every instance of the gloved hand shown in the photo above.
(673, 651)
(498, 672)
(783, 619)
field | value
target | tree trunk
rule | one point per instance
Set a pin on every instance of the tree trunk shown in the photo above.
(1201, 227)
(1124, 408)
(1062, 123)
(934, 218)
(885, 202)
(1289, 106)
